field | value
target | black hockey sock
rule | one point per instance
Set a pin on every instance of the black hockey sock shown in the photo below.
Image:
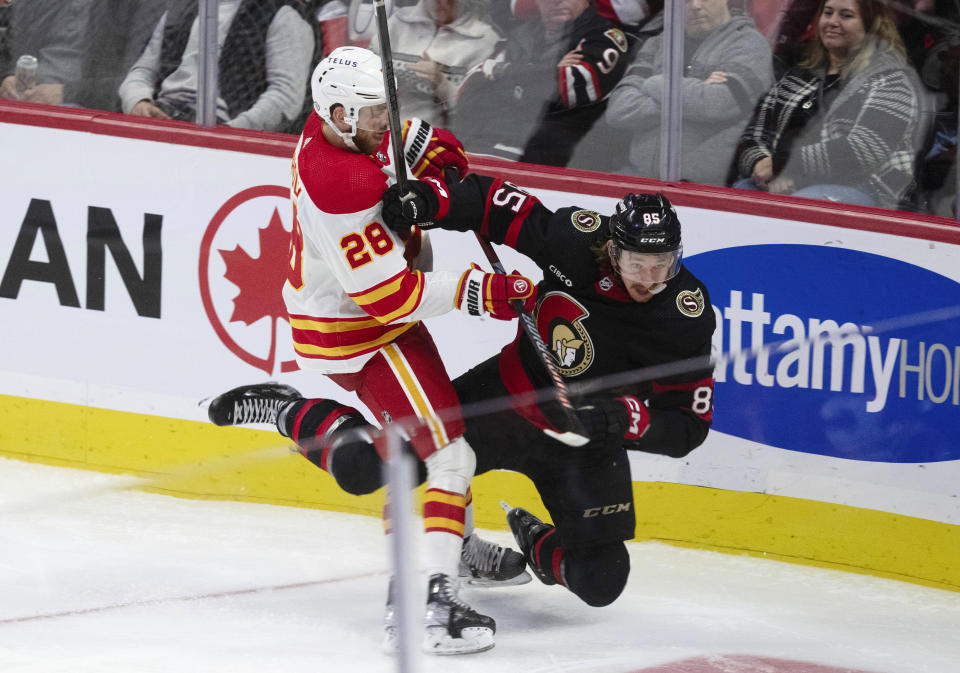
(547, 557)
(307, 421)
(321, 428)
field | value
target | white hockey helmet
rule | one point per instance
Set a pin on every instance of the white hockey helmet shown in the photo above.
(351, 77)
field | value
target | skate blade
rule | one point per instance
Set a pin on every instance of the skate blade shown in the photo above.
(486, 583)
(436, 640)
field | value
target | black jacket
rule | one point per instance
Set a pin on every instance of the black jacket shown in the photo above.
(528, 103)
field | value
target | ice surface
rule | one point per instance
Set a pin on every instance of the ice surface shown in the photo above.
(97, 579)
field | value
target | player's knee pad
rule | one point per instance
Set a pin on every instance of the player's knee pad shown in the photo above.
(356, 466)
(597, 574)
(336, 438)
(451, 468)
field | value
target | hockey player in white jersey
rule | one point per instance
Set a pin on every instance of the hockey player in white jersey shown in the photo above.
(356, 293)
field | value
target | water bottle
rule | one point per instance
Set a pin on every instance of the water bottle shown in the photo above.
(26, 73)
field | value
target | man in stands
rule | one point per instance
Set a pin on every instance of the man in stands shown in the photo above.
(727, 68)
(264, 61)
(537, 98)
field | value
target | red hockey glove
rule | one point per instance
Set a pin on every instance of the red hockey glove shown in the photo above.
(422, 203)
(429, 150)
(480, 292)
(612, 421)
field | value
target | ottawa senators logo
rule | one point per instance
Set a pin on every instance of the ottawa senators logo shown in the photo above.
(618, 38)
(560, 322)
(585, 220)
(690, 303)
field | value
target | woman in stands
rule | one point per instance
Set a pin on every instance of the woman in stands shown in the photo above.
(842, 125)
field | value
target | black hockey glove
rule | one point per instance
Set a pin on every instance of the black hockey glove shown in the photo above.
(611, 422)
(423, 202)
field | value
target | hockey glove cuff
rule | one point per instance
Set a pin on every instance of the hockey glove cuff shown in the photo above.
(611, 421)
(424, 202)
(638, 418)
(430, 151)
(480, 292)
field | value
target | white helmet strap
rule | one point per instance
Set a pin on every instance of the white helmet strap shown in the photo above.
(347, 136)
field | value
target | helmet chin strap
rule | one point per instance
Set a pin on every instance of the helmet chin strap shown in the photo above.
(347, 136)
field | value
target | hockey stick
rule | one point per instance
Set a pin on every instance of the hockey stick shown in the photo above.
(573, 433)
(393, 105)
(398, 496)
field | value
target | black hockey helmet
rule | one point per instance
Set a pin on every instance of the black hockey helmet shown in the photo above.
(645, 224)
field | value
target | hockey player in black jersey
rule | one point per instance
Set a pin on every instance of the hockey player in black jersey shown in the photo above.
(615, 297)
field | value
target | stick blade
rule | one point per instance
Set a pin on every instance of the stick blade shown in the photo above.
(568, 438)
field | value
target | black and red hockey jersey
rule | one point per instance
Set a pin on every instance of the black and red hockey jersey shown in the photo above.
(600, 337)
(522, 104)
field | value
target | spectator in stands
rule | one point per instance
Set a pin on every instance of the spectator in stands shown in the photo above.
(938, 176)
(435, 43)
(790, 32)
(628, 14)
(265, 49)
(117, 33)
(329, 19)
(91, 45)
(842, 125)
(932, 38)
(53, 31)
(727, 69)
(4, 25)
(544, 90)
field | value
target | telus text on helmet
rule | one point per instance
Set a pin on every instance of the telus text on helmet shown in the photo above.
(344, 61)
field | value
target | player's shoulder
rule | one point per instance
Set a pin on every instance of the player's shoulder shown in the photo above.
(338, 180)
(581, 222)
(690, 300)
(573, 235)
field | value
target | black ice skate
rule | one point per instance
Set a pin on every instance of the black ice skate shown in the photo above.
(527, 530)
(487, 564)
(451, 626)
(258, 403)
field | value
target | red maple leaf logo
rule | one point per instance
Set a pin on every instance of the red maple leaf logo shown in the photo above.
(260, 279)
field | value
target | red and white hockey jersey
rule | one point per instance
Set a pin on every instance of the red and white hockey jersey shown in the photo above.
(354, 285)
